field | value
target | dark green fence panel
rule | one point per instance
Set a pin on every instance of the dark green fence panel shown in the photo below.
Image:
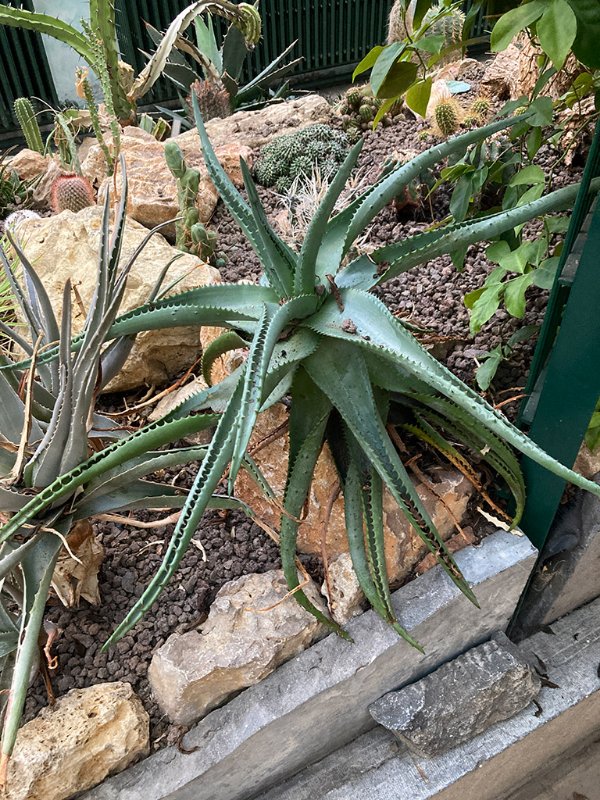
(24, 70)
(333, 36)
(564, 382)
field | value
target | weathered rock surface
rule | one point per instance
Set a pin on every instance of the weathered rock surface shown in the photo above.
(152, 188)
(71, 746)
(255, 128)
(341, 588)
(29, 164)
(251, 629)
(66, 246)
(404, 549)
(461, 699)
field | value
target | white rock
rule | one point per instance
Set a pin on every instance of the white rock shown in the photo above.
(251, 629)
(255, 128)
(343, 593)
(71, 746)
(66, 246)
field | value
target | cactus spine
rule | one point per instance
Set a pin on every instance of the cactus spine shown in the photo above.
(29, 124)
(480, 108)
(447, 117)
(71, 193)
(440, 21)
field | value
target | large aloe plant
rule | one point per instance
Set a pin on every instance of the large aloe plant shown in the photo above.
(102, 31)
(317, 334)
(48, 428)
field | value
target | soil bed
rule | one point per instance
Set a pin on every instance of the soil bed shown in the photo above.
(431, 295)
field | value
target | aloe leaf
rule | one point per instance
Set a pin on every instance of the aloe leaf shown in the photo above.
(305, 276)
(365, 272)
(270, 73)
(206, 305)
(275, 320)
(11, 501)
(38, 566)
(340, 372)
(372, 496)
(350, 223)
(65, 442)
(277, 259)
(154, 68)
(218, 455)
(38, 294)
(225, 343)
(10, 558)
(135, 468)
(378, 331)
(308, 418)
(236, 205)
(164, 431)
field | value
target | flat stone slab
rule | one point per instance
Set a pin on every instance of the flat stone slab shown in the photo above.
(318, 701)
(496, 764)
(463, 698)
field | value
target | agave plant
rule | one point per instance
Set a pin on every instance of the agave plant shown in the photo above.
(47, 429)
(316, 334)
(220, 69)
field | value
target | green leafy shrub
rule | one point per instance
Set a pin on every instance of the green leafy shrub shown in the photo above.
(292, 155)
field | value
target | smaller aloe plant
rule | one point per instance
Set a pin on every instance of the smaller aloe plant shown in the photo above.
(48, 428)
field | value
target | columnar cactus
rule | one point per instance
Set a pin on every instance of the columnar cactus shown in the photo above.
(29, 124)
(71, 193)
(191, 235)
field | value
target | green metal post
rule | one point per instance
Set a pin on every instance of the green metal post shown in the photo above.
(565, 378)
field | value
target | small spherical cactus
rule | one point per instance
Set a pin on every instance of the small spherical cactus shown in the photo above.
(366, 113)
(471, 121)
(447, 117)
(71, 193)
(480, 107)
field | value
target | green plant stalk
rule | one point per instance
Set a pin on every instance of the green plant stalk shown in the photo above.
(103, 23)
(188, 183)
(29, 124)
(98, 133)
(99, 66)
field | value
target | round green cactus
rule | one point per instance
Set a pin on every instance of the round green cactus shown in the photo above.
(447, 117)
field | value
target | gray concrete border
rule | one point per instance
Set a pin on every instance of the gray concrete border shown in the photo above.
(318, 702)
(500, 764)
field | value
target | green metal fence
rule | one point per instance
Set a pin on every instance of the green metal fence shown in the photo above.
(332, 35)
(24, 70)
(564, 381)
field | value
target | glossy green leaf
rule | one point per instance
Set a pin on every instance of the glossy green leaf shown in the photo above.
(513, 22)
(556, 30)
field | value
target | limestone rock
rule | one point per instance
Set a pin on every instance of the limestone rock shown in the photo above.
(501, 80)
(152, 187)
(587, 462)
(404, 549)
(251, 629)
(66, 246)
(71, 746)
(341, 588)
(29, 164)
(255, 128)
(461, 699)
